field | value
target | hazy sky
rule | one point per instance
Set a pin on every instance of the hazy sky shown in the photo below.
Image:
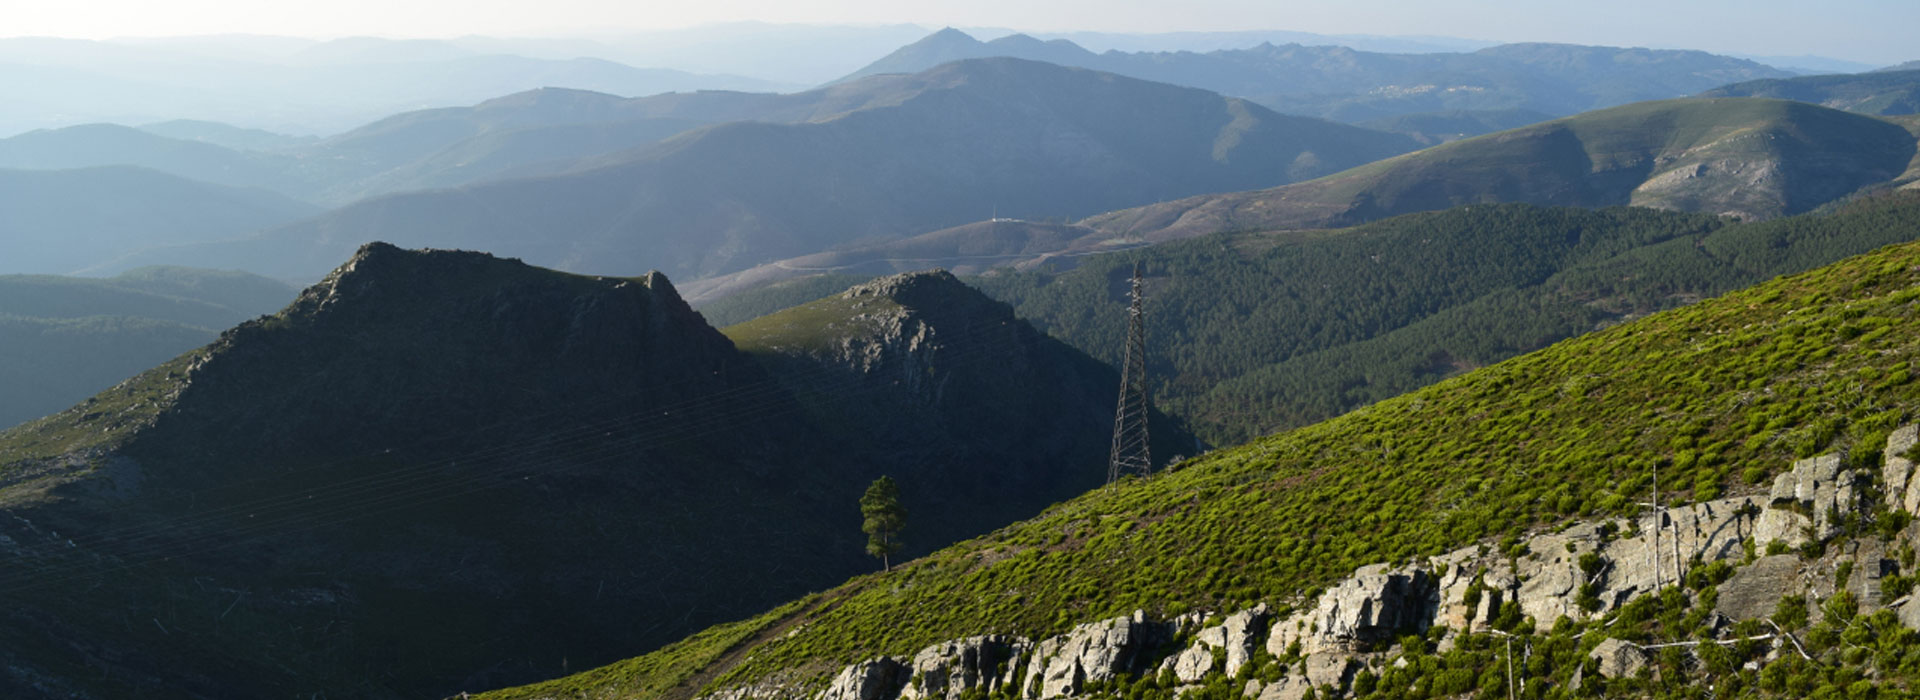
(1873, 31)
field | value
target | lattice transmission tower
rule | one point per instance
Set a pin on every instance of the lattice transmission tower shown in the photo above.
(1130, 452)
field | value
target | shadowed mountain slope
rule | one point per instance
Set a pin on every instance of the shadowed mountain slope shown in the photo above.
(465, 471)
(1880, 92)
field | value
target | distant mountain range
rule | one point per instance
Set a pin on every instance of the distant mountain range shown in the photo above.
(1344, 84)
(318, 89)
(881, 158)
(1749, 158)
(1880, 92)
(466, 471)
(61, 221)
(63, 339)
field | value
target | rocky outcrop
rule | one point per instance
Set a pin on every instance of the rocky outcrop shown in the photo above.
(1092, 652)
(1579, 572)
(1619, 658)
(1903, 489)
(946, 670)
(876, 679)
(1805, 500)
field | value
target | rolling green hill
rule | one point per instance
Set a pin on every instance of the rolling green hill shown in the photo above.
(1718, 396)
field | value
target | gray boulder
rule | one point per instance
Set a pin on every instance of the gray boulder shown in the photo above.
(1756, 589)
(1094, 651)
(1331, 670)
(874, 679)
(946, 670)
(1903, 490)
(1619, 658)
(1372, 605)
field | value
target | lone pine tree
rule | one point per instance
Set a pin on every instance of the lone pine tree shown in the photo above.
(884, 518)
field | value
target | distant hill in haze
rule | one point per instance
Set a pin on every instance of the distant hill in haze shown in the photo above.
(225, 135)
(1344, 84)
(60, 221)
(1879, 92)
(310, 89)
(94, 145)
(885, 157)
(66, 338)
(1749, 158)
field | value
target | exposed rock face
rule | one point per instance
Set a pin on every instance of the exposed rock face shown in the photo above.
(1619, 658)
(1903, 490)
(1804, 500)
(1091, 652)
(1330, 670)
(1756, 588)
(1580, 572)
(876, 679)
(948, 669)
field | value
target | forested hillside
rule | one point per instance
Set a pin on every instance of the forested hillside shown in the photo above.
(1256, 332)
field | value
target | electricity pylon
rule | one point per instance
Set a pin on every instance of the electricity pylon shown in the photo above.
(1130, 452)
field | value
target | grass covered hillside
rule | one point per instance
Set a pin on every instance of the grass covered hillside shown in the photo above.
(1719, 395)
(1316, 323)
(1750, 158)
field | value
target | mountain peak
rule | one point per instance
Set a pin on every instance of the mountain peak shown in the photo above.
(948, 35)
(911, 285)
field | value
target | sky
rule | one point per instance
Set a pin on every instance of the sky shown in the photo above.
(1871, 31)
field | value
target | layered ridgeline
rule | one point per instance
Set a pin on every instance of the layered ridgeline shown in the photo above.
(1451, 490)
(1877, 92)
(1749, 158)
(1344, 84)
(60, 222)
(63, 339)
(443, 471)
(886, 157)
